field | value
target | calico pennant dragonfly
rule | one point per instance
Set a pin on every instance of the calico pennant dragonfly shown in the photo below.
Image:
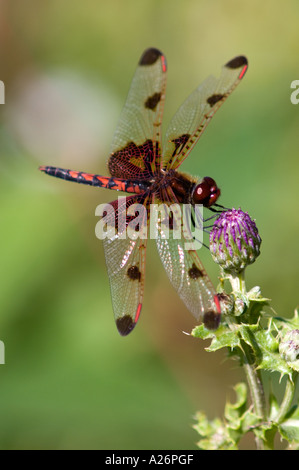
(138, 164)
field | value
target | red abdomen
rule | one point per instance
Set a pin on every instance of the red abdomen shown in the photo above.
(118, 184)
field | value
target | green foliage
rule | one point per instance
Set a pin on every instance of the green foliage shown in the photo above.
(259, 342)
(225, 434)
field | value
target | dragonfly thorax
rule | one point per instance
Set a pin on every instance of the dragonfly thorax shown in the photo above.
(183, 189)
(173, 186)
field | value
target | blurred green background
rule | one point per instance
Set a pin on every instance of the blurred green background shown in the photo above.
(70, 381)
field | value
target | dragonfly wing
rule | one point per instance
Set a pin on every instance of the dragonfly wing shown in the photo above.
(193, 116)
(125, 259)
(186, 272)
(136, 145)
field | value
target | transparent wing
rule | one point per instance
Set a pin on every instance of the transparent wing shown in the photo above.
(125, 260)
(136, 145)
(186, 272)
(193, 116)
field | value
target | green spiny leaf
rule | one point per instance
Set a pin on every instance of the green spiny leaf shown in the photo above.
(221, 338)
(235, 410)
(289, 430)
(273, 406)
(214, 434)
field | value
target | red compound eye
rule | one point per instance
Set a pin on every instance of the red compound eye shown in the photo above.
(206, 192)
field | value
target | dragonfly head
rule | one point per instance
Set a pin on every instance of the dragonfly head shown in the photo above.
(206, 192)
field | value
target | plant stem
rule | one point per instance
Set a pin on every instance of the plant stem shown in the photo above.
(287, 399)
(256, 388)
(238, 283)
(252, 374)
(254, 382)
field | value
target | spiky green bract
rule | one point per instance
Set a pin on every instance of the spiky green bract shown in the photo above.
(265, 342)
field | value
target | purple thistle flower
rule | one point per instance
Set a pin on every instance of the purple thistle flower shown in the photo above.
(234, 241)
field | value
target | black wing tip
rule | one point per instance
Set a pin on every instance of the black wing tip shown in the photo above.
(237, 62)
(211, 320)
(150, 56)
(125, 325)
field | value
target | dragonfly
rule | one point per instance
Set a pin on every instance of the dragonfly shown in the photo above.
(148, 171)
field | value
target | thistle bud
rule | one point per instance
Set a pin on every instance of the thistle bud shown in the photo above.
(234, 241)
(289, 346)
(226, 303)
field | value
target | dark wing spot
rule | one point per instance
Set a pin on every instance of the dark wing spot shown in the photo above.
(180, 143)
(150, 56)
(212, 100)
(194, 272)
(237, 62)
(125, 325)
(134, 162)
(134, 273)
(152, 101)
(211, 320)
